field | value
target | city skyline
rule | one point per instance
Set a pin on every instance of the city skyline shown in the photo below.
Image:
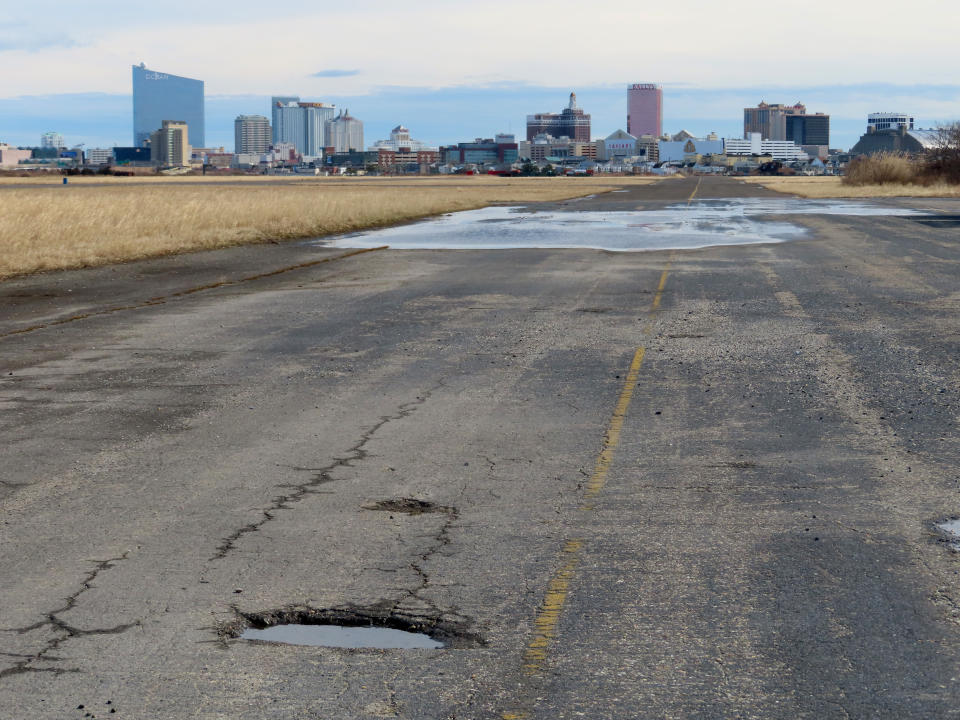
(59, 61)
(448, 115)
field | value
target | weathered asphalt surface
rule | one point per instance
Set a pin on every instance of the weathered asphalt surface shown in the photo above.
(759, 542)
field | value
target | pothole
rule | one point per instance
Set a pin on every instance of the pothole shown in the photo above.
(338, 636)
(409, 506)
(952, 529)
(376, 627)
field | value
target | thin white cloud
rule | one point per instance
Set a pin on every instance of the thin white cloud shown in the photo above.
(28, 42)
(697, 43)
(333, 73)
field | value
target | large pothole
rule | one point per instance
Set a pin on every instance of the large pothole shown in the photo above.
(338, 636)
(352, 628)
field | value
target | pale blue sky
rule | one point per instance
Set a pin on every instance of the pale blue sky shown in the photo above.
(452, 70)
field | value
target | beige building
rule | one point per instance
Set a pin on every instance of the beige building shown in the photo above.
(170, 145)
(584, 149)
(648, 147)
(11, 156)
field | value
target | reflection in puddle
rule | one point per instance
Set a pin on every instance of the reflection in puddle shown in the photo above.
(952, 528)
(343, 637)
(701, 224)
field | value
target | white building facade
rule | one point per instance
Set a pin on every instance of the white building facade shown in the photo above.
(618, 145)
(755, 145)
(680, 150)
(52, 140)
(345, 133)
(888, 121)
(99, 156)
(400, 138)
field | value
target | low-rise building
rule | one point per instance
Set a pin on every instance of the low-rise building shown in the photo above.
(246, 161)
(585, 149)
(284, 153)
(219, 159)
(406, 160)
(132, 155)
(687, 150)
(356, 159)
(755, 145)
(893, 133)
(11, 156)
(544, 146)
(99, 156)
(482, 151)
(618, 145)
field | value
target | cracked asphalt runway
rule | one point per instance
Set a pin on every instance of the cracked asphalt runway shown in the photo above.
(677, 484)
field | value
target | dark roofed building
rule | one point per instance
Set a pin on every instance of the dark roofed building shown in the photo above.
(900, 140)
(572, 122)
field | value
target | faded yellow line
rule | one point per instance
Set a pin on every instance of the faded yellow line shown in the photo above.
(690, 199)
(612, 437)
(548, 616)
(658, 296)
(660, 287)
(545, 624)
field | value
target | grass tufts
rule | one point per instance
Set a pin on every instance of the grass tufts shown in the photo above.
(882, 169)
(56, 227)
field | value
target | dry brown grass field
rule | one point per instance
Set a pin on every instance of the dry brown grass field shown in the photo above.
(832, 187)
(59, 227)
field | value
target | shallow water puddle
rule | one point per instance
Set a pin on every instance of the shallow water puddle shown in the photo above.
(701, 224)
(339, 636)
(952, 528)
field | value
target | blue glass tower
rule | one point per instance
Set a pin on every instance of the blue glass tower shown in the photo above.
(159, 96)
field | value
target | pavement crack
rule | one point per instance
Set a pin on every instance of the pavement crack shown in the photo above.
(843, 709)
(62, 630)
(321, 476)
(440, 541)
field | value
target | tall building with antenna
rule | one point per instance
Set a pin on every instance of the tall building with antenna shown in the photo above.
(571, 122)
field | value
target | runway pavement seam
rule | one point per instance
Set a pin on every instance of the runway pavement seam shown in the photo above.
(163, 299)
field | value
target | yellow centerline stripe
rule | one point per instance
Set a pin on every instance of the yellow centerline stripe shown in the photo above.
(545, 624)
(690, 199)
(548, 616)
(612, 436)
